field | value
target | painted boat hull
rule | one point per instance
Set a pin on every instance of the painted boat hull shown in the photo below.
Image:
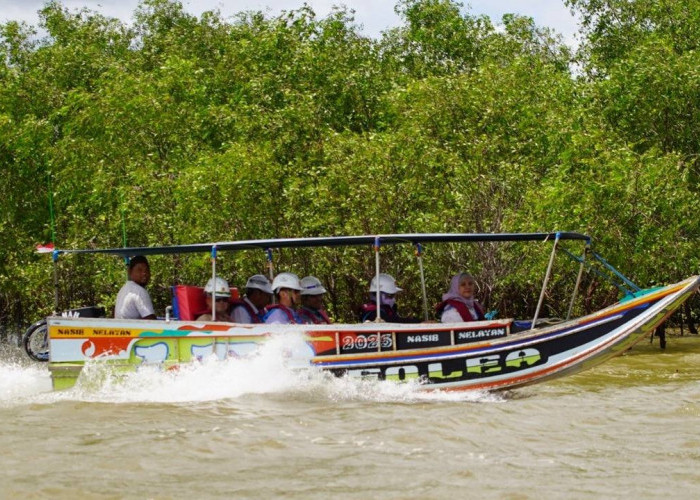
(462, 356)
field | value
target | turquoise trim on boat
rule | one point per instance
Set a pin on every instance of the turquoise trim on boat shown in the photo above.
(640, 293)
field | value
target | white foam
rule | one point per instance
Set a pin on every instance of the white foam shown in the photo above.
(267, 370)
(18, 381)
(280, 366)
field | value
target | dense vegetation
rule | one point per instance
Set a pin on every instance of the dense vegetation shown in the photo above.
(177, 129)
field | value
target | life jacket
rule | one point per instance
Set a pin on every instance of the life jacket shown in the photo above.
(256, 317)
(291, 314)
(387, 313)
(313, 316)
(462, 309)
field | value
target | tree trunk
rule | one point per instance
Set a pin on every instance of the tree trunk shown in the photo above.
(689, 318)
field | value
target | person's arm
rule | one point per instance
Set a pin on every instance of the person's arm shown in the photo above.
(144, 305)
(367, 316)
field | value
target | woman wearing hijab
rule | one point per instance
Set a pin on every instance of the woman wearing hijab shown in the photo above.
(458, 304)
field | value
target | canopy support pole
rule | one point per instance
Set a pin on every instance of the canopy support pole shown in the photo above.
(378, 299)
(270, 270)
(213, 279)
(546, 281)
(578, 281)
(419, 255)
(600, 274)
(616, 272)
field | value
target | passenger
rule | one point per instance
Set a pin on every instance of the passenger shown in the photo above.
(286, 287)
(218, 290)
(250, 308)
(458, 304)
(133, 301)
(388, 309)
(312, 311)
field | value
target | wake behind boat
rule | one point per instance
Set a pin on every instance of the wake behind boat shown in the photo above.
(485, 355)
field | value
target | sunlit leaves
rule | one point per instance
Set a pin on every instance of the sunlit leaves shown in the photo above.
(182, 128)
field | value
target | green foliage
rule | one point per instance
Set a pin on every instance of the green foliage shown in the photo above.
(615, 28)
(183, 129)
(437, 38)
(653, 98)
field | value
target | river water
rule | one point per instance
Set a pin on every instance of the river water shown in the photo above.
(254, 429)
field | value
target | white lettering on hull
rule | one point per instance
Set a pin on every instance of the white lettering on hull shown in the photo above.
(477, 367)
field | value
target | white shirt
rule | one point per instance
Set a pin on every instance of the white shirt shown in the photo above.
(451, 315)
(133, 302)
(240, 313)
(277, 317)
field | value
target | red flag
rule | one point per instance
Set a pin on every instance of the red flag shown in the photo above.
(48, 248)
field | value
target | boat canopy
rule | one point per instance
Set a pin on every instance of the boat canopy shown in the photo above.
(338, 241)
(332, 241)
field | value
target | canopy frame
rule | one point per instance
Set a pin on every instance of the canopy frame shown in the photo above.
(330, 241)
(376, 241)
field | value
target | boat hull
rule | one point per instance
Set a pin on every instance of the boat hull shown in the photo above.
(464, 356)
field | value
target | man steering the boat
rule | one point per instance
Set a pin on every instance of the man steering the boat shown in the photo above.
(251, 307)
(312, 311)
(287, 290)
(133, 301)
(387, 296)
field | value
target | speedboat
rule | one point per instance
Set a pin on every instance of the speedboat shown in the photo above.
(493, 354)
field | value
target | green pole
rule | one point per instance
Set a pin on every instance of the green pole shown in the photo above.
(121, 203)
(53, 241)
(121, 210)
(51, 211)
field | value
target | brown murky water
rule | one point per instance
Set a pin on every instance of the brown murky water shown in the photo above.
(627, 429)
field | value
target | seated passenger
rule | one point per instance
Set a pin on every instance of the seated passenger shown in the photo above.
(250, 308)
(312, 311)
(387, 293)
(286, 287)
(458, 304)
(219, 291)
(133, 301)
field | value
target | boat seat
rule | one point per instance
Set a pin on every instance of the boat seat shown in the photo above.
(189, 301)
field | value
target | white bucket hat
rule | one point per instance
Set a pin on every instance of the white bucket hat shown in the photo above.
(259, 282)
(310, 285)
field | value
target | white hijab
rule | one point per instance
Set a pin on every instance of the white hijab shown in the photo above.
(453, 293)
